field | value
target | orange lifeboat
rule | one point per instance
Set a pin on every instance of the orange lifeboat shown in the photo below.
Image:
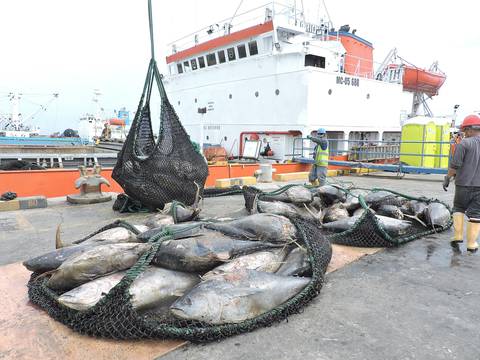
(115, 121)
(419, 80)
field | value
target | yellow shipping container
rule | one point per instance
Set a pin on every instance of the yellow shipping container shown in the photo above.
(419, 129)
(443, 135)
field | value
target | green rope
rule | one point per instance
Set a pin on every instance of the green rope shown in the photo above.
(115, 224)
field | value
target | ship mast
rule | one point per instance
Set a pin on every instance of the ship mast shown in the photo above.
(15, 121)
(15, 117)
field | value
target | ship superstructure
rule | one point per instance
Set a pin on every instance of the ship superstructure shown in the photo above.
(269, 75)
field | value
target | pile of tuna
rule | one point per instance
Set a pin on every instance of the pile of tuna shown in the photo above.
(211, 272)
(210, 279)
(336, 209)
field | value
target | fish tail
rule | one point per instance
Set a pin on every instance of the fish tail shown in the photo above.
(58, 241)
(416, 219)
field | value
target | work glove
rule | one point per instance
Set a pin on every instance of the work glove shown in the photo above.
(446, 182)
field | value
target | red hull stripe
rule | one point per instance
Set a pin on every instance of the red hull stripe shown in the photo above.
(221, 41)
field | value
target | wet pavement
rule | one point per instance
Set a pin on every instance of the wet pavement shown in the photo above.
(416, 302)
(419, 301)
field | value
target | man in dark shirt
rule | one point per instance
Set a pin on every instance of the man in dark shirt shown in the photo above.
(465, 168)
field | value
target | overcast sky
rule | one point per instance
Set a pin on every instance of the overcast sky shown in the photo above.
(72, 47)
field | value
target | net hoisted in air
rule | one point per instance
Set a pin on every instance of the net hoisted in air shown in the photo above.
(158, 172)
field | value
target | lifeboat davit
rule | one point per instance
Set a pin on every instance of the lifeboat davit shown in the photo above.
(420, 80)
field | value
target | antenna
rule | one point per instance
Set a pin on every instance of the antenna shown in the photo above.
(229, 26)
(328, 14)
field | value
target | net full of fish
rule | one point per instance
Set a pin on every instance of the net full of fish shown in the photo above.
(248, 266)
(340, 210)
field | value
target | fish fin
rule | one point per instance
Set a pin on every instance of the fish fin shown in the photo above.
(309, 211)
(224, 256)
(178, 293)
(46, 273)
(197, 196)
(416, 219)
(58, 241)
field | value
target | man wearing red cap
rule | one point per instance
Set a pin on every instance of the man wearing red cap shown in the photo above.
(465, 168)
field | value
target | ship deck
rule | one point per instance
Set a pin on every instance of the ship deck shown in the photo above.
(418, 301)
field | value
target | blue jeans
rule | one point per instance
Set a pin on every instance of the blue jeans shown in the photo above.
(318, 173)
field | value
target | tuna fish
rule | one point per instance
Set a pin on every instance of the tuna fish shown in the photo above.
(288, 210)
(202, 253)
(378, 198)
(415, 210)
(437, 215)
(390, 211)
(264, 227)
(266, 261)
(330, 194)
(94, 263)
(236, 297)
(296, 263)
(317, 203)
(154, 287)
(159, 220)
(359, 211)
(52, 260)
(393, 227)
(111, 236)
(352, 202)
(178, 231)
(277, 208)
(335, 212)
(296, 194)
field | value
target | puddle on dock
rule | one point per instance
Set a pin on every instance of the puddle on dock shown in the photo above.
(443, 255)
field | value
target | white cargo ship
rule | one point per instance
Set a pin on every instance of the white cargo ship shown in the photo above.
(269, 75)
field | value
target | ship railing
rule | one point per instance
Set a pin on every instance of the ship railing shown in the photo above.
(63, 160)
(432, 157)
(283, 13)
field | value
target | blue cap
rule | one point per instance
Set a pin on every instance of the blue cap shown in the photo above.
(321, 131)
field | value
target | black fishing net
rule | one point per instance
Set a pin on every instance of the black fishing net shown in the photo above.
(155, 173)
(114, 316)
(367, 230)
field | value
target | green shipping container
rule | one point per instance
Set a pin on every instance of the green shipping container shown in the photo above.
(419, 129)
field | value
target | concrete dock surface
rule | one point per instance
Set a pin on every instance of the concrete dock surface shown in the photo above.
(419, 301)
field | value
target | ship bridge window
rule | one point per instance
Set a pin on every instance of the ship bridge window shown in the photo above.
(211, 59)
(231, 54)
(186, 66)
(221, 57)
(201, 62)
(253, 48)
(242, 51)
(315, 61)
(194, 64)
(180, 68)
